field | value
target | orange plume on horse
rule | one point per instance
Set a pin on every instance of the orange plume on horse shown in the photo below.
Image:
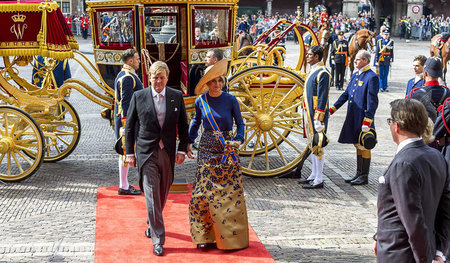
(444, 53)
(357, 42)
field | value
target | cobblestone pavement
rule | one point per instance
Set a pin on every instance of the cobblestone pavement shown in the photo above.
(50, 217)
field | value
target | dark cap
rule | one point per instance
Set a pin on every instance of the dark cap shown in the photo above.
(340, 33)
(368, 139)
(433, 66)
(386, 32)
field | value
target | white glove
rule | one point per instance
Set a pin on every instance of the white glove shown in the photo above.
(333, 62)
(122, 131)
(318, 126)
(365, 128)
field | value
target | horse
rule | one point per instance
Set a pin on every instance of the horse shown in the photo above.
(357, 42)
(444, 53)
(323, 36)
(244, 40)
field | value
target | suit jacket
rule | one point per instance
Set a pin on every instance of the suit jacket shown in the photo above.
(411, 219)
(142, 110)
(412, 85)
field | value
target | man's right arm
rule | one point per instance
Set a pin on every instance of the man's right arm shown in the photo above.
(132, 117)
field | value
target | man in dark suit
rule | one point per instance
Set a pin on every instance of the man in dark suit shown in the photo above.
(413, 194)
(161, 115)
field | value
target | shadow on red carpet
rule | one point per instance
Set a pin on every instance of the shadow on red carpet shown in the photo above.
(120, 226)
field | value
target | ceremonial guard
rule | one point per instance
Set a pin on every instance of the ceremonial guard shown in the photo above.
(339, 57)
(84, 26)
(126, 83)
(417, 81)
(432, 95)
(384, 55)
(359, 128)
(315, 104)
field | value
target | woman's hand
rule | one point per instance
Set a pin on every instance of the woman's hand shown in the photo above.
(189, 152)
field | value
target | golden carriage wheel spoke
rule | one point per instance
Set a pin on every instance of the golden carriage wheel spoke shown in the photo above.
(266, 151)
(286, 140)
(287, 120)
(261, 93)
(1, 157)
(247, 108)
(295, 105)
(247, 140)
(17, 163)
(8, 159)
(250, 96)
(278, 149)
(288, 128)
(63, 133)
(254, 150)
(273, 92)
(282, 100)
(62, 140)
(25, 158)
(61, 116)
(28, 150)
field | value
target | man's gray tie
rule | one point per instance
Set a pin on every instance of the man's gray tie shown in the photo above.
(160, 114)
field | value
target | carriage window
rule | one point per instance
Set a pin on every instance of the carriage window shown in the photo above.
(211, 26)
(161, 24)
(115, 28)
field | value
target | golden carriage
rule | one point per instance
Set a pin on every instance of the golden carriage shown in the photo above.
(36, 121)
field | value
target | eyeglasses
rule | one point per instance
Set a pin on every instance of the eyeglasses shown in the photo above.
(389, 121)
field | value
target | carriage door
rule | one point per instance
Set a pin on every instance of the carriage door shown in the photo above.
(163, 40)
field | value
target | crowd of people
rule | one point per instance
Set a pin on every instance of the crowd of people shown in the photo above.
(79, 25)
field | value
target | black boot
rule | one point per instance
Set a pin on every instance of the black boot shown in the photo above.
(358, 169)
(363, 178)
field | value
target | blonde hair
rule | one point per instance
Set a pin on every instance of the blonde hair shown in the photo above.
(158, 67)
(428, 134)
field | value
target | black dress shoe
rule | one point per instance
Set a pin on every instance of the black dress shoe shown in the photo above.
(131, 191)
(158, 250)
(313, 186)
(147, 233)
(304, 181)
(203, 246)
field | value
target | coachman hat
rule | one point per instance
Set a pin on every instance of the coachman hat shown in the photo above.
(433, 66)
(118, 146)
(368, 139)
(211, 72)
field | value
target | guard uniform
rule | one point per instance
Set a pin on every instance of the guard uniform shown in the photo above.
(432, 95)
(315, 105)
(339, 54)
(413, 83)
(362, 97)
(126, 83)
(384, 55)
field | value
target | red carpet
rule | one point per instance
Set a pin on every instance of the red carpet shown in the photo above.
(120, 226)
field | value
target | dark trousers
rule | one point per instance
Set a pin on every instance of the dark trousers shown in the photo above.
(157, 175)
(340, 74)
(85, 33)
(383, 75)
(333, 79)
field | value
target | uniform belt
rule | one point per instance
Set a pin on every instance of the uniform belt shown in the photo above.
(346, 56)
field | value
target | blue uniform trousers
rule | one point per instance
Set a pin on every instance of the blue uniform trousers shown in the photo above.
(383, 75)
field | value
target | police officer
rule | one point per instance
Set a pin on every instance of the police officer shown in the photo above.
(315, 103)
(362, 97)
(126, 83)
(384, 55)
(339, 57)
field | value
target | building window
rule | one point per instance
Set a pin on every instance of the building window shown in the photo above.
(65, 8)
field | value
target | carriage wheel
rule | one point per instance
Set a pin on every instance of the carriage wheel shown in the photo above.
(20, 137)
(270, 100)
(62, 132)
